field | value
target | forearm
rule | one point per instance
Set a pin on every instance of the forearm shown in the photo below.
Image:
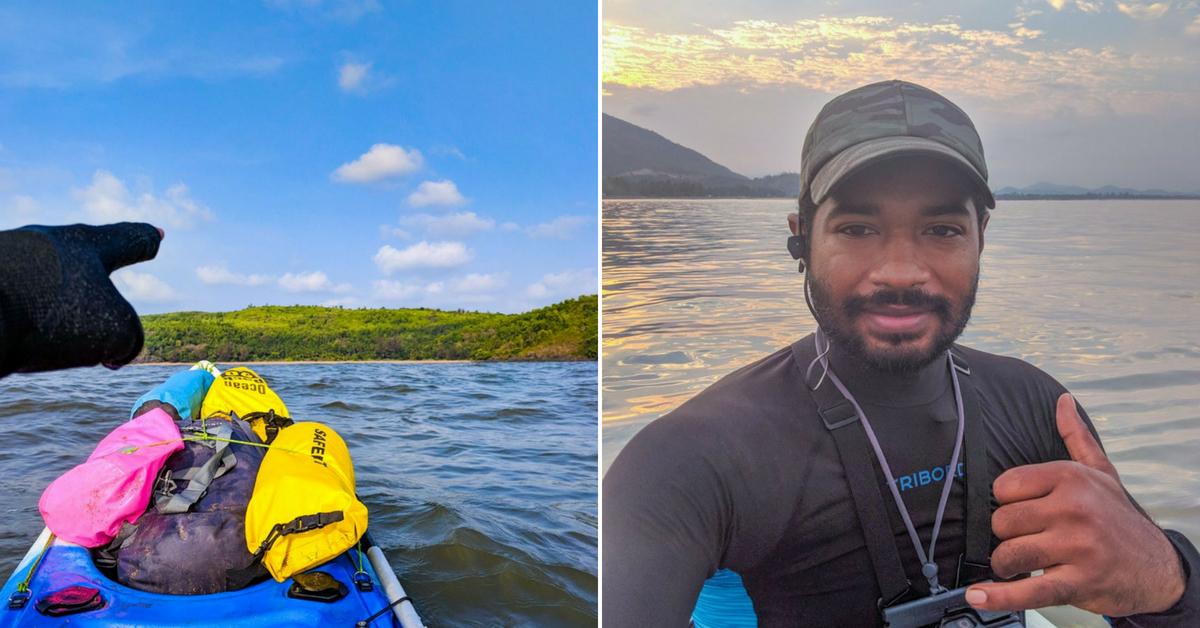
(648, 586)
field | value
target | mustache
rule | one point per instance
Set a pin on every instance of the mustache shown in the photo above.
(912, 297)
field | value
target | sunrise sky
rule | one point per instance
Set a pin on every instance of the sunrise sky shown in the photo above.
(1074, 92)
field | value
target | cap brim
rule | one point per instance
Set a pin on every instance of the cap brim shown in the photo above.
(861, 155)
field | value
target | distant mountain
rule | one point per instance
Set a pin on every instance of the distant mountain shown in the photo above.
(630, 150)
(1042, 189)
(639, 163)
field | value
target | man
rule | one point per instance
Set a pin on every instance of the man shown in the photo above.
(779, 470)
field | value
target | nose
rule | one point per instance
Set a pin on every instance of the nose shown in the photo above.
(901, 265)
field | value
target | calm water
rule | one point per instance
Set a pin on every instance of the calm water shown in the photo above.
(1103, 295)
(480, 478)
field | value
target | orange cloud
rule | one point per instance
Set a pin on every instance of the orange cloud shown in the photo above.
(1012, 66)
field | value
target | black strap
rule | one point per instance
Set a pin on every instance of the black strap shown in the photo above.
(367, 622)
(854, 450)
(855, 453)
(239, 578)
(272, 423)
(975, 564)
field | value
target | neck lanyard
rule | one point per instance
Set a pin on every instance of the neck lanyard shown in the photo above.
(929, 568)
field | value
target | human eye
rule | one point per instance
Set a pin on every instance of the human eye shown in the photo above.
(856, 230)
(946, 231)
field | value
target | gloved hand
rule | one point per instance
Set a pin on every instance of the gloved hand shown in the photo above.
(58, 307)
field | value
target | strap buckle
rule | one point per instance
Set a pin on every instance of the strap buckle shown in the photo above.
(960, 363)
(838, 415)
(18, 600)
(304, 523)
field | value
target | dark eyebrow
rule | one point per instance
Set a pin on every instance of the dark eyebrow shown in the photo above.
(944, 210)
(852, 208)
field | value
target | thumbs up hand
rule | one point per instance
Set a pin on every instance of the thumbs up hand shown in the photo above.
(1074, 520)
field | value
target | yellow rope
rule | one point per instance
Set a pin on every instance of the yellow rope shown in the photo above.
(24, 585)
(129, 450)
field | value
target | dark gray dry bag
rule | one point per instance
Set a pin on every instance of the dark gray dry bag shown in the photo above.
(195, 527)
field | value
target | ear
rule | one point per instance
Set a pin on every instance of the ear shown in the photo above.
(982, 228)
(796, 244)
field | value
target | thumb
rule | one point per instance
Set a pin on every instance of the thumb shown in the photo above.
(125, 243)
(1083, 448)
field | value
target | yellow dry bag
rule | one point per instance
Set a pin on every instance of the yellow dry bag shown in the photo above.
(304, 511)
(243, 392)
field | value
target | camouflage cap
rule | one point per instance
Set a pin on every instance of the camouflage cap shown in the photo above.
(884, 120)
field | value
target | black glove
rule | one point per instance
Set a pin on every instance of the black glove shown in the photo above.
(58, 308)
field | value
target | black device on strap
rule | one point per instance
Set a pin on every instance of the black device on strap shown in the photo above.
(854, 449)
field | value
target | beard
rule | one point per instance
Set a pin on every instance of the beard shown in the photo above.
(837, 321)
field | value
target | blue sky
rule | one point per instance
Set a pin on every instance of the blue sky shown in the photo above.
(1076, 92)
(356, 152)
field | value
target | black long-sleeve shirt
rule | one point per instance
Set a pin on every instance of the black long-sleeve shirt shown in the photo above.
(745, 476)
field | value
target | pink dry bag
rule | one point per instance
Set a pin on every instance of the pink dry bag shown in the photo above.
(88, 504)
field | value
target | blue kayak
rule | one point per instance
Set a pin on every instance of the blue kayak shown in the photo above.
(62, 565)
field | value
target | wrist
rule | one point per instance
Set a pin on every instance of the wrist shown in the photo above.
(1174, 577)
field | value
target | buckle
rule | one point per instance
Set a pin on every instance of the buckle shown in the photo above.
(18, 600)
(838, 415)
(363, 582)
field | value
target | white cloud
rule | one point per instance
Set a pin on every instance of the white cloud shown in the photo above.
(315, 281)
(422, 255)
(476, 283)
(1193, 29)
(568, 283)
(137, 286)
(436, 193)
(474, 287)
(563, 227)
(1015, 70)
(107, 199)
(460, 225)
(381, 162)
(1139, 11)
(1057, 4)
(383, 289)
(388, 230)
(219, 274)
(352, 75)
(450, 150)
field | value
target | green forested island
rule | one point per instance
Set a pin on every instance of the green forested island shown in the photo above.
(563, 331)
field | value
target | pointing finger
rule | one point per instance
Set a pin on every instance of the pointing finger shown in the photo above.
(125, 243)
